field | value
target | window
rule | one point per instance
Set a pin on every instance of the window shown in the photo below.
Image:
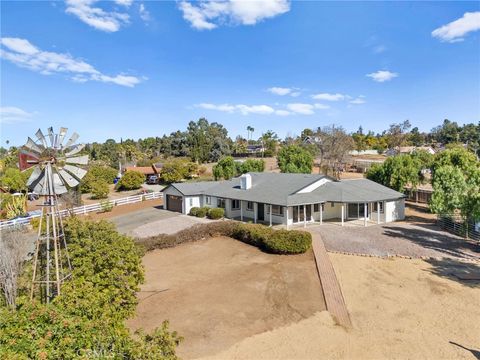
(191, 201)
(276, 210)
(316, 207)
(235, 204)
(332, 204)
(375, 207)
(250, 205)
(221, 203)
(208, 200)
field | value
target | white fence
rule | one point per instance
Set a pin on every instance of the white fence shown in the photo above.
(82, 210)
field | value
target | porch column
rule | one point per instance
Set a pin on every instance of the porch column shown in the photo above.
(287, 215)
(321, 213)
(343, 211)
(384, 212)
(304, 215)
(312, 213)
(378, 212)
(255, 209)
(365, 214)
(241, 210)
(270, 214)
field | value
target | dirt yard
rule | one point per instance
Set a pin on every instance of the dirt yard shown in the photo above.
(220, 291)
(400, 309)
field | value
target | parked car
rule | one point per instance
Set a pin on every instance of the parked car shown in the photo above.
(153, 179)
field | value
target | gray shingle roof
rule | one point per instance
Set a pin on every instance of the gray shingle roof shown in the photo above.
(281, 189)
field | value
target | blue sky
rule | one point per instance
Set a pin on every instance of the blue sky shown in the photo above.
(135, 69)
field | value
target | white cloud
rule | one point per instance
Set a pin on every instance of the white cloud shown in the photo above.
(299, 108)
(144, 13)
(382, 75)
(207, 15)
(221, 107)
(282, 112)
(456, 30)
(329, 97)
(279, 90)
(13, 115)
(358, 101)
(241, 108)
(109, 21)
(22, 53)
(321, 106)
(378, 49)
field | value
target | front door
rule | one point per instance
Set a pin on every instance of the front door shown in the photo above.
(261, 211)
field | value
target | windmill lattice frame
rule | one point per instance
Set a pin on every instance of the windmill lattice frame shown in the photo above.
(54, 171)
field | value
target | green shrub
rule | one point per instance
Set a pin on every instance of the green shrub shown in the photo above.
(131, 180)
(215, 213)
(253, 234)
(106, 206)
(99, 189)
(96, 173)
(288, 242)
(202, 212)
(194, 211)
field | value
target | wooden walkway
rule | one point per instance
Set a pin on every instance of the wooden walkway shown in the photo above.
(331, 288)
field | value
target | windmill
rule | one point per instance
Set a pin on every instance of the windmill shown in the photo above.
(54, 171)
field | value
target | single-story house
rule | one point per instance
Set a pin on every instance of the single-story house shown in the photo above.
(288, 199)
(145, 170)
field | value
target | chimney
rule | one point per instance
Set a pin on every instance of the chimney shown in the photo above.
(245, 181)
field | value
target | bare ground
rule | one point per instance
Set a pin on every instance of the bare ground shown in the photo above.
(219, 291)
(400, 309)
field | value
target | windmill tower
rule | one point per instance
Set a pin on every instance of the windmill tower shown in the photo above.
(54, 171)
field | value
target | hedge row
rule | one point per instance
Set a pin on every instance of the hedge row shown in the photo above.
(211, 213)
(265, 238)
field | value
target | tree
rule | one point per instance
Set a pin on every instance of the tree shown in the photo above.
(416, 138)
(131, 180)
(207, 142)
(14, 180)
(99, 189)
(397, 172)
(447, 133)
(333, 144)
(225, 169)
(457, 157)
(294, 159)
(250, 165)
(95, 173)
(176, 170)
(397, 134)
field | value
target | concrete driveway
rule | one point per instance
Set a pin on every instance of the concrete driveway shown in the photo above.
(399, 238)
(153, 221)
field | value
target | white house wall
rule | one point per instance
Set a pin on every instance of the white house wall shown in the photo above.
(394, 210)
(189, 202)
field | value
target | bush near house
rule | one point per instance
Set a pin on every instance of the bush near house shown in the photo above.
(99, 189)
(131, 180)
(265, 238)
(215, 213)
(97, 173)
(200, 212)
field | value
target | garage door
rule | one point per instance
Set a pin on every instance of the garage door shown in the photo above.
(174, 203)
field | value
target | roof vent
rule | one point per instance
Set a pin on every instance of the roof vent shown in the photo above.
(245, 181)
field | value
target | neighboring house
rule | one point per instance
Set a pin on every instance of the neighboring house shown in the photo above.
(253, 149)
(288, 199)
(145, 170)
(409, 150)
(420, 194)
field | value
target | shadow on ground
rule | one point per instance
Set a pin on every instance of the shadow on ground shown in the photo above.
(467, 274)
(475, 353)
(431, 237)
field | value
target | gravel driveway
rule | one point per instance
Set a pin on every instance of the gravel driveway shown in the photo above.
(414, 240)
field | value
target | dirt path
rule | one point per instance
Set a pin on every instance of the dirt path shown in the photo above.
(219, 291)
(399, 308)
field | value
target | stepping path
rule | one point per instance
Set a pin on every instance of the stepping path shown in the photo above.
(330, 285)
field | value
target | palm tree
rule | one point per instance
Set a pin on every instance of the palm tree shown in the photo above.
(249, 129)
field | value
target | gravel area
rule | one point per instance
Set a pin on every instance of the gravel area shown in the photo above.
(414, 240)
(168, 225)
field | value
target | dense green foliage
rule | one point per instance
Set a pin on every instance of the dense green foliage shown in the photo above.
(397, 172)
(95, 174)
(456, 184)
(131, 180)
(99, 189)
(14, 180)
(273, 241)
(200, 212)
(294, 159)
(225, 169)
(250, 165)
(175, 170)
(88, 319)
(215, 213)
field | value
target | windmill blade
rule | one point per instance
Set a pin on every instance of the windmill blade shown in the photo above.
(27, 159)
(79, 173)
(38, 185)
(37, 172)
(69, 179)
(51, 136)
(75, 149)
(72, 139)
(80, 160)
(58, 185)
(61, 136)
(41, 137)
(33, 146)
